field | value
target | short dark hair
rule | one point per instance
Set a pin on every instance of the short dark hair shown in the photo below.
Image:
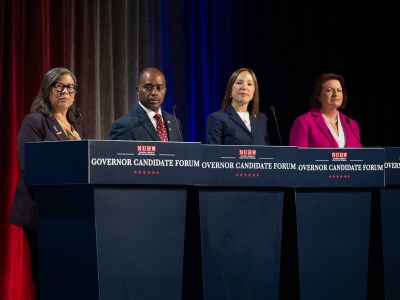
(315, 102)
(147, 70)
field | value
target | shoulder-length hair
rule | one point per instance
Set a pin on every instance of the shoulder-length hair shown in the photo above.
(315, 101)
(254, 104)
(42, 102)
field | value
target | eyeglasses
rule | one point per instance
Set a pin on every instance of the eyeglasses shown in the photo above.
(71, 88)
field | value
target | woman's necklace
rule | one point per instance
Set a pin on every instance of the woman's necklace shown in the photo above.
(330, 122)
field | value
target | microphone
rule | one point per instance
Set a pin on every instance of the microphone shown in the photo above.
(79, 113)
(272, 109)
(176, 121)
(348, 123)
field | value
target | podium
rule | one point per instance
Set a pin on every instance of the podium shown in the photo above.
(131, 220)
(333, 204)
(390, 212)
(241, 210)
(111, 217)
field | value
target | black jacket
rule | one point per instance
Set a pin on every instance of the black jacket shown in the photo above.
(136, 125)
(225, 127)
(35, 127)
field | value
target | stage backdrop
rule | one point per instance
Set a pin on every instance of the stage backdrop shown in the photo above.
(197, 44)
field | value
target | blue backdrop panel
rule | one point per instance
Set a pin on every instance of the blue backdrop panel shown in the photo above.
(333, 238)
(241, 233)
(390, 209)
(140, 240)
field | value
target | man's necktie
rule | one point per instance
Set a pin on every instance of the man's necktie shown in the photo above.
(162, 132)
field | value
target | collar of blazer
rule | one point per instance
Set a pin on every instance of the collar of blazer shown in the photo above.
(320, 123)
(235, 117)
(56, 127)
(144, 120)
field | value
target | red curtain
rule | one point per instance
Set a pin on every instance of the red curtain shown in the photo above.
(34, 36)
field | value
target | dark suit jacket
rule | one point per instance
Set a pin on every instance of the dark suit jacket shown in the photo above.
(136, 125)
(310, 130)
(35, 127)
(225, 127)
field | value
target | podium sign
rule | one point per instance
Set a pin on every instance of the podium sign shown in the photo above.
(337, 217)
(340, 167)
(112, 223)
(226, 165)
(114, 162)
(392, 166)
(390, 212)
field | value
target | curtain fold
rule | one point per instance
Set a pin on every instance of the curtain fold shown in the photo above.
(106, 44)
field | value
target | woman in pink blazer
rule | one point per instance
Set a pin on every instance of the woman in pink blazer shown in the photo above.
(323, 126)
